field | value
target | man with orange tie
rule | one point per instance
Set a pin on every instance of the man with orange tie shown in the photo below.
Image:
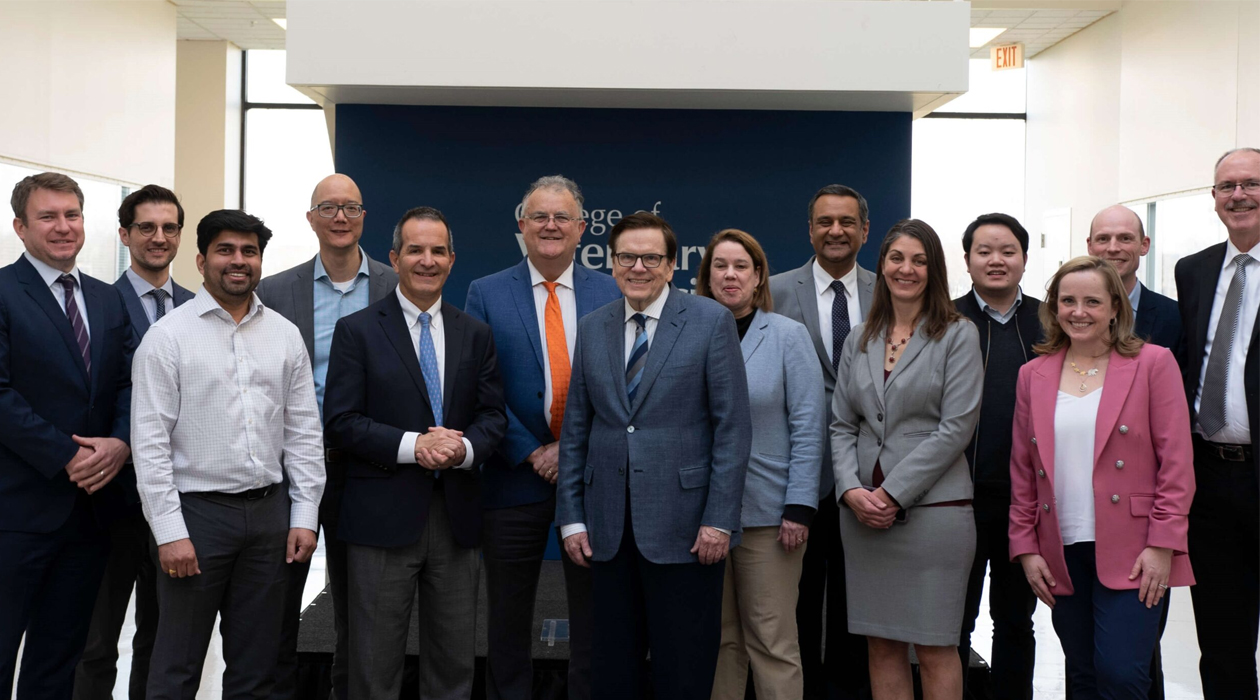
(533, 309)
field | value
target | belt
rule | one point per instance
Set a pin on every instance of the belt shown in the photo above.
(1225, 452)
(252, 494)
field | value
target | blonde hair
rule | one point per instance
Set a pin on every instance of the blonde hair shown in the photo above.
(1120, 336)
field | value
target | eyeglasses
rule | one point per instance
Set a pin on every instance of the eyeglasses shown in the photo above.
(328, 210)
(651, 260)
(1225, 190)
(148, 229)
(541, 219)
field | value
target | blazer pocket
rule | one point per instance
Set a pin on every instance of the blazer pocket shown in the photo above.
(1141, 504)
(693, 478)
(919, 433)
(586, 475)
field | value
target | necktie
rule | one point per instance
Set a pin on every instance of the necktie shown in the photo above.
(76, 321)
(839, 322)
(557, 357)
(159, 297)
(638, 356)
(429, 368)
(1212, 401)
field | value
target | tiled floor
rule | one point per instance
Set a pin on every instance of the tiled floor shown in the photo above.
(1180, 649)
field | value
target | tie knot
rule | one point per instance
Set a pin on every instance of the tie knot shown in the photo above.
(838, 287)
(1240, 260)
(67, 281)
(551, 287)
(425, 318)
(641, 320)
(159, 294)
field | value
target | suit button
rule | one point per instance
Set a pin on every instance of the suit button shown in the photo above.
(1045, 507)
(879, 442)
(630, 429)
(1124, 430)
(879, 416)
(1115, 499)
(1119, 464)
(540, 394)
(1034, 441)
(1041, 473)
(621, 470)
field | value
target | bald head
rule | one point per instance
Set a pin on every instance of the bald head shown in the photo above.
(338, 232)
(1117, 236)
(335, 182)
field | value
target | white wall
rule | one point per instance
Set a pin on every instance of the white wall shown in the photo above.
(89, 86)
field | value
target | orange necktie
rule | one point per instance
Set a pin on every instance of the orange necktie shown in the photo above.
(557, 357)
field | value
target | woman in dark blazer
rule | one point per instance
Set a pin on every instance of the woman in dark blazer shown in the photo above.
(781, 489)
(905, 407)
(1102, 477)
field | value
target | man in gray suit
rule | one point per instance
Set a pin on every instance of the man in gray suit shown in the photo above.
(829, 294)
(653, 453)
(338, 281)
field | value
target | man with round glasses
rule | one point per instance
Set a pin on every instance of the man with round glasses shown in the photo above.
(338, 281)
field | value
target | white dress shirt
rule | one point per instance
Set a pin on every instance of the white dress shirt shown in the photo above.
(568, 313)
(822, 285)
(147, 302)
(50, 275)
(218, 406)
(411, 313)
(1237, 430)
(1075, 419)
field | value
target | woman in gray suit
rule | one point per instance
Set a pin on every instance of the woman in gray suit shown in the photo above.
(781, 489)
(905, 407)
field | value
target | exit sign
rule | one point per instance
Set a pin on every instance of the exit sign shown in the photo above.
(1007, 56)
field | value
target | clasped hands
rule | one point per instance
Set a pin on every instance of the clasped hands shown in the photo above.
(874, 509)
(440, 448)
(546, 461)
(97, 462)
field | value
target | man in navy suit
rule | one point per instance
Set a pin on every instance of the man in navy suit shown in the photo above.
(653, 455)
(533, 308)
(413, 406)
(150, 221)
(1116, 235)
(65, 398)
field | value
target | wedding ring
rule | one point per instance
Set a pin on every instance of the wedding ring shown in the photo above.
(171, 572)
(102, 472)
(1162, 586)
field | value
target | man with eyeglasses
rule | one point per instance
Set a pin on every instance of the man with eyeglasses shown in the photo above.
(1218, 291)
(653, 454)
(338, 281)
(150, 221)
(533, 309)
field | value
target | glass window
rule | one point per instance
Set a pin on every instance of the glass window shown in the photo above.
(1183, 225)
(264, 79)
(103, 255)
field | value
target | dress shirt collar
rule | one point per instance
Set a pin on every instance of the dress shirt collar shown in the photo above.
(321, 273)
(50, 275)
(411, 312)
(142, 286)
(205, 303)
(536, 278)
(999, 316)
(1135, 296)
(1232, 251)
(823, 280)
(653, 310)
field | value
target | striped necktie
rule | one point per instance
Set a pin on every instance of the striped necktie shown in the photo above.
(638, 356)
(76, 322)
(159, 298)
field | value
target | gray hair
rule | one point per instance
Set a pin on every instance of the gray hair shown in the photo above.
(1229, 153)
(555, 182)
(427, 214)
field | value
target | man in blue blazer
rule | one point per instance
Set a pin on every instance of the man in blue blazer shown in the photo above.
(1116, 235)
(150, 221)
(653, 454)
(533, 309)
(65, 402)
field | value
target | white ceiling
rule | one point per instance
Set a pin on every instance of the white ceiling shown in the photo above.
(1038, 24)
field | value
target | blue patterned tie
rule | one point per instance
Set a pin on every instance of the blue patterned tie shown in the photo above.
(638, 356)
(839, 322)
(429, 368)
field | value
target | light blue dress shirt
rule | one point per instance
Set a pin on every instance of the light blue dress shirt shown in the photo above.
(996, 315)
(331, 304)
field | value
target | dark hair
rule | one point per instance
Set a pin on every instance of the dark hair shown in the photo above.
(644, 219)
(841, 191)
(761, 296)
(997, 219)
(1120, 336)
(216, 222)
(43, 181)
(938, 309)
(149, 194)
(424, 214)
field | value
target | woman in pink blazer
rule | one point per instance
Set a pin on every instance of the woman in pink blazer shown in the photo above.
(1101, 481)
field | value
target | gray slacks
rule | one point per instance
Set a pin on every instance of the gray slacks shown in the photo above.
(383, 586)
(240, 547)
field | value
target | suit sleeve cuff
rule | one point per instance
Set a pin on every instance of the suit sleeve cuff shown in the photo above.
(468, 456)
(567, 531)
(304, 515)
(407, 448)
(798, 513)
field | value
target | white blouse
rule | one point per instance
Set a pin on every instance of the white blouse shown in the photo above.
(1074, 423)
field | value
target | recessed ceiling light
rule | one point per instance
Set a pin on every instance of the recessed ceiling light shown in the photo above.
(983, 35)
(284, 24)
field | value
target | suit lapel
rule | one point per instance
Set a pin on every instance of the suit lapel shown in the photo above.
(752, 339)
(304, 304)
(1120, 373)
(96, 322)
(1207, 294)
(453, 327)
(807, 299)
(1145, 319)
(135, 309)
(875, 364)
(44, 299)
(394, 324)
(523, 295)
(914, 346)
(615, 337)
(866, 290)
(668, 327)
(181, 295)
(1045, 397)
(377, 286)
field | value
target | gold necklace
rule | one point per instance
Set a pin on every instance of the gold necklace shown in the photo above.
(1093, 372)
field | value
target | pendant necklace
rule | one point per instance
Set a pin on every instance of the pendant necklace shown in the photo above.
(1083, 373)
(894, 347)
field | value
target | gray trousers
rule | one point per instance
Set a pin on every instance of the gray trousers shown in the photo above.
(240, 548)
(383, 586)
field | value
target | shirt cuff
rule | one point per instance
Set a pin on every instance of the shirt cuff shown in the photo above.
(571, 529)
(722, 530)
(407, 448)
(798, 513)
(468, 456)
(169, 528)
(304, 515)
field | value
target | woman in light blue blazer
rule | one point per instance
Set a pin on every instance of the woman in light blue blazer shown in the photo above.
(785, 387)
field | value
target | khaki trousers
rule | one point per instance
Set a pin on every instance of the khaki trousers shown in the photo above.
(759, 620)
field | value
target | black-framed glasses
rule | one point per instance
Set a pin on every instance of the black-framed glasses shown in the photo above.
(650, 260)
(148, 229)
(1226, 189)
(328, 210)
(541, 219)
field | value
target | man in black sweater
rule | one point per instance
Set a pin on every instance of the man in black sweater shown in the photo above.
(995, 247)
